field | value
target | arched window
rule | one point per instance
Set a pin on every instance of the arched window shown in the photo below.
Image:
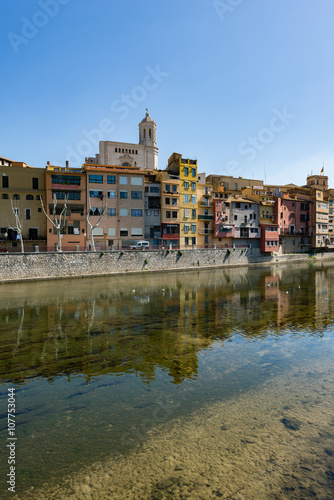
(150, 133)
(4, 196)
(125, 164)
(144, 133)
(16, 196)
(29, 197)
(38, 197)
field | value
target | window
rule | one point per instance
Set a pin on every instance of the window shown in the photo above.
(168, 214)
(16, 196)
(69, 195)
(16, 211)
(167, 201)
(123, 195)
(174, 215)
(123, 232)
(29, 197)
(235, 217)
(28, 213)
(168, 188)
(154, 189)
(193, 172)
(193, 214)
(136, 181)
(136, 231)
(96, 194)
(174, 201)
(186, 185)
(96, 211)
(174, 188)
(64, 179)
(111, 179)
(74, 227)
(123, 212)
(193, 186)
(186, 213)
(111, 194)
(186, 198)
(123, 179)
(5, 196)
(111, 231)
(136, 195)
(136, 212)
(237, 205)
(193, 241)
(193, 228)
(186, 228)
(186, 240)
(193, 199)
(111, 211)
(186, 171)
(5, 181)
(97, 179)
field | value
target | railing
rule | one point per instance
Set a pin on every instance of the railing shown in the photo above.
(205, 217)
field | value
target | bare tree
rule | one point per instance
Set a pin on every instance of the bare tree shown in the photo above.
(18, 223)
(102, 211)
(58, 223)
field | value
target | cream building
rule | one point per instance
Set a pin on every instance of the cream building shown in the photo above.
(143, 155)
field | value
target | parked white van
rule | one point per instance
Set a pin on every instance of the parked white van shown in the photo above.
(140, 245)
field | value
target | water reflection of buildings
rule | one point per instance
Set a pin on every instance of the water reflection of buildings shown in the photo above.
(159, 324)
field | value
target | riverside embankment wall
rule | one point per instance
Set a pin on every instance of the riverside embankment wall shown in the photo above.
(15, 267)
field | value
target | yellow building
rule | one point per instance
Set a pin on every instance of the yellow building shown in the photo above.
(21, 188)
(186, 169)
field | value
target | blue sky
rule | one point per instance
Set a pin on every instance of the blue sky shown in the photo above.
(244, 86)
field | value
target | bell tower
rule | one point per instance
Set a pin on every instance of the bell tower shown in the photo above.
(148, 131)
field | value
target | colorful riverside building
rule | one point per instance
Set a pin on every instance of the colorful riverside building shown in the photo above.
(66, 183)
(22, 187)
(170, 208)
(121, 191)
(269, 229)
(204, 213)
(186, 170)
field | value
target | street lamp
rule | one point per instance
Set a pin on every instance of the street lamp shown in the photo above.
(6, 236)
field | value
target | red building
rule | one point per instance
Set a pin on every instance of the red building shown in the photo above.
(269, 241)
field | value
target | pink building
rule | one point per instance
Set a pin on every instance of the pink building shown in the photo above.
(294, 216)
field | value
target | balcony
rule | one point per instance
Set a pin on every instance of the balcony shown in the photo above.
(205, 217)
(206, 203)
(205, 231)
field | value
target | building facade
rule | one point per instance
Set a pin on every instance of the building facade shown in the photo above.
(21, 189)
(143, 155)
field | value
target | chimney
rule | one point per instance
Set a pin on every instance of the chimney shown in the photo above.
(67, 164)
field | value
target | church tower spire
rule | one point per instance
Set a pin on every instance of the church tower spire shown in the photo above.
(148, 131)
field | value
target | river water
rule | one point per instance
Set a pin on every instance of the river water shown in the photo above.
(198, 384)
